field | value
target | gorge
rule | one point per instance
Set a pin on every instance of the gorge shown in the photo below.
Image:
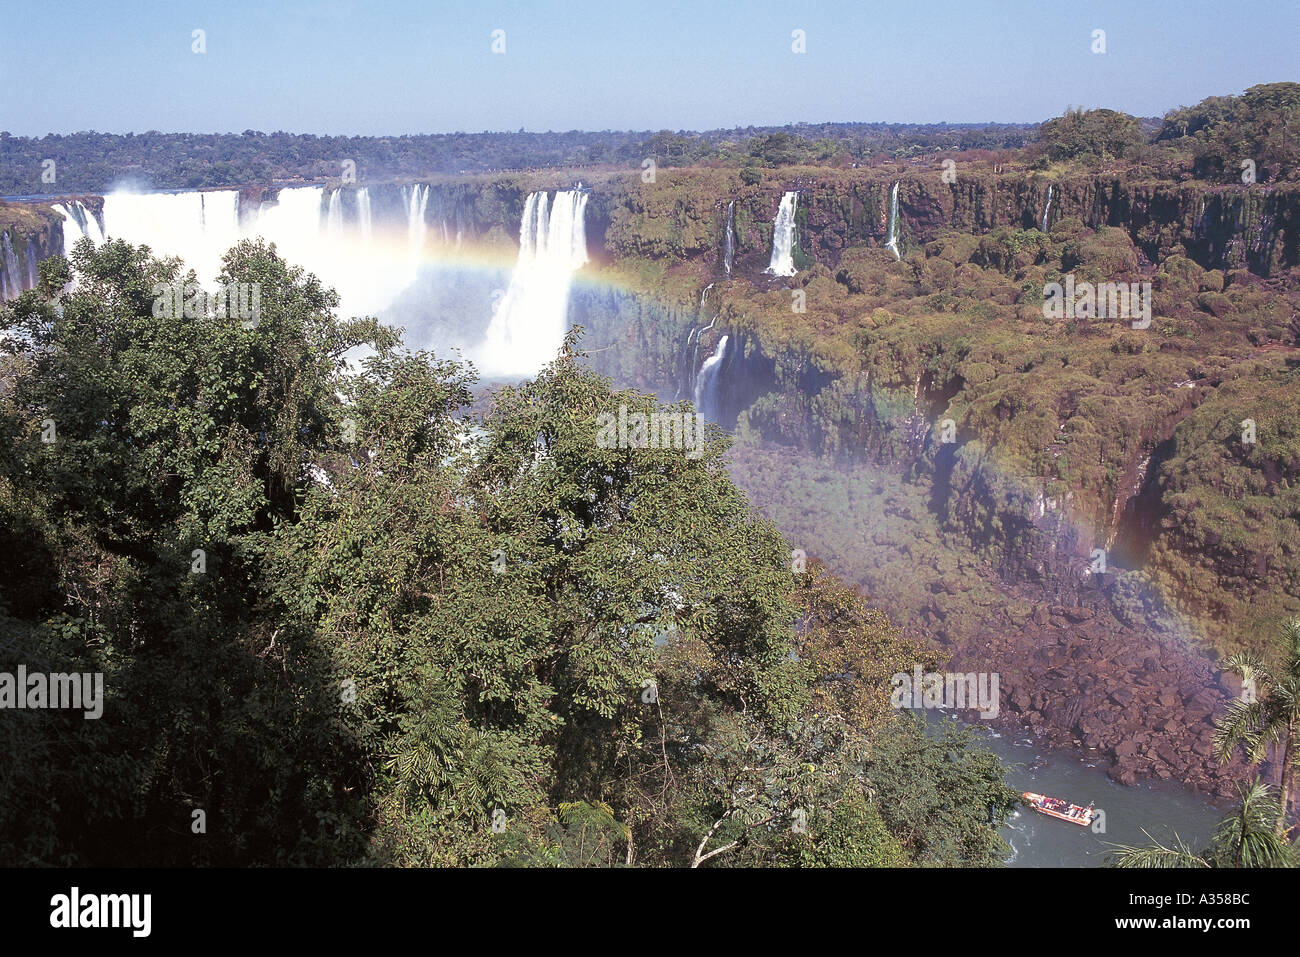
(684, 287)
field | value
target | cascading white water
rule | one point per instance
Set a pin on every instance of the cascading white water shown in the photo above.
(1048, 208)
(692, 356)
(417, 199)
(75, 214)
(366, 274)
(334, 217)
(368, 260)
(707, 381)
(10, 274)
(201, 227)
(363, 214)
(729, 243)
(686, 370)
(198, 227)
(783, 237)
(528, 326)
(892, 245)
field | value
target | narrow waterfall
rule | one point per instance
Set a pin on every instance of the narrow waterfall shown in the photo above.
(1048, 208)
(685, 369)
(892, 245)
(729, 241)
(334, 216)
(528, 326)
(707, 381)
(11, 283)
(417, 200)
(363, 213)
(783, 237)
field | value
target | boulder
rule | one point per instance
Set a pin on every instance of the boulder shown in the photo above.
(1124, 749)
(1122, 774)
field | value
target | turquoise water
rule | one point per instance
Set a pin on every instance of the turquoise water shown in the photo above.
(1160, 808)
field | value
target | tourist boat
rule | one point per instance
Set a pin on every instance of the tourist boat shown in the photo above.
(1055, 807)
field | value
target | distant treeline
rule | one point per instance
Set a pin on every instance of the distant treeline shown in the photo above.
(1219, 138)
(98, 161)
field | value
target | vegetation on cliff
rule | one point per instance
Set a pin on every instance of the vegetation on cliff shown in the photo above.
(1131, 435)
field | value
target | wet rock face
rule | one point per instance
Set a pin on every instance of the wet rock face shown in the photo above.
(1220, 227)
(28, 235)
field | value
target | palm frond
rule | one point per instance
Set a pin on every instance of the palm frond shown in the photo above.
(1156, 855)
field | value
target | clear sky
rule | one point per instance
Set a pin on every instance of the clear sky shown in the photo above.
(395, 66)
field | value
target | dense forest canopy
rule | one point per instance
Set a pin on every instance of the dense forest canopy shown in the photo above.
(92, 161)
(1213, 137)
(343, 621)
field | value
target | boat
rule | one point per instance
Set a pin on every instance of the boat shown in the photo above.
(1057, 808)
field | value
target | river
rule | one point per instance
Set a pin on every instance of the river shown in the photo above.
(1161, 808)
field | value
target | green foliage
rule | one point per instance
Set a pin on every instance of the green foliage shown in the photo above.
(1091, 135)
(1262, 125)
(172, 434)
(940, 795)
(92, 161)
(410, 624)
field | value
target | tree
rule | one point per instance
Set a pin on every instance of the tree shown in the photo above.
(343, 619)
(1261, 125)
(1268, 712)
(147, 453)
(1091, 135)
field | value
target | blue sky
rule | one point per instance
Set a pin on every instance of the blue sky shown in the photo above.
(344, 67)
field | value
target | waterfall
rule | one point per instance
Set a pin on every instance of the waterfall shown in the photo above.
(76, 214)
(334, 217)
(529, 324)
(707, 381)
(33, 272)
(729, 242)
(198, 227)
(363, 213)
(365, 266)
(892, 245)
(417, 200)
(686, 368)
(11, 283)
(1048, 208)
(783, 237)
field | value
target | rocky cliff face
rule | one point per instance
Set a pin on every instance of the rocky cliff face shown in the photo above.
(1147, 473)
(1254, 227)
(682, 217)
(28, 234)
